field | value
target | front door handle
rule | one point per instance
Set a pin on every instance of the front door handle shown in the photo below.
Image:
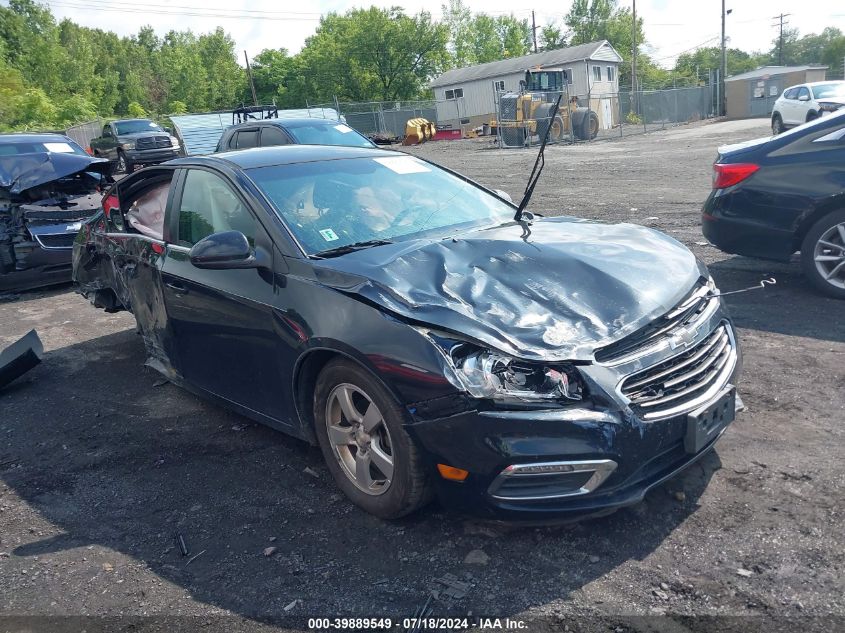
(176, 287)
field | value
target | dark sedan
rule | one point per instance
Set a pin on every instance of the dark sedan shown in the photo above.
(48, 185)
(290, 131)
(396, 314)
(773, 197)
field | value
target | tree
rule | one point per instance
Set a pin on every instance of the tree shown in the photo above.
(695, 65)
(552, 37)
(373, 53)
(480, 38)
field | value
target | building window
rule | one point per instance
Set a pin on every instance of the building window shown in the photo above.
(596, 73)
(567, 76)
(457, 93)
(500, 86)
(610, 70)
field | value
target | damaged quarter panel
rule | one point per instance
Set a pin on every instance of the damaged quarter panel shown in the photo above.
(395, 314)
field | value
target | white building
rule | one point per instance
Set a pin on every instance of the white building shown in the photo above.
(466, 97)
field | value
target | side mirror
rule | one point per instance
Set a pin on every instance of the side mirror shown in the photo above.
(503, 194)
(222, 251)
(804, 98)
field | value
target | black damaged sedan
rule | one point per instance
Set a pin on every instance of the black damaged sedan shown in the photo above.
(396, 314)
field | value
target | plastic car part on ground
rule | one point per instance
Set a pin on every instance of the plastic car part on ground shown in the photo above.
(20, 357)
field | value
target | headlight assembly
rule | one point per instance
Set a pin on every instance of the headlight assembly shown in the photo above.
(488, 374)
(128, 145)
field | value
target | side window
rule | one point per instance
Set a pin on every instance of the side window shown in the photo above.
(209, 206)
(790, 94)
(106, 130)
(246, 139)
(271, 135)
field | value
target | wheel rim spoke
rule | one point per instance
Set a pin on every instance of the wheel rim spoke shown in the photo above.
(831, 245)
(836, 269)
(371, 419)
(828, 258)
(341, 435)
(841, 229)
(362, 469)
(381, 460)
(344, 398)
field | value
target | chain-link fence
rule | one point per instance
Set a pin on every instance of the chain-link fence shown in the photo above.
(382, 118)
(84, 132)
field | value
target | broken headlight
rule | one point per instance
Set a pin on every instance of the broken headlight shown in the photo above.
(488, 374)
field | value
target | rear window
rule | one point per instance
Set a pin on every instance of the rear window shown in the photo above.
(332, 134)
(32, 147)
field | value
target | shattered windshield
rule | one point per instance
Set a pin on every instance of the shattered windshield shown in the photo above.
(331, 204)
(133, 127)
(35, 147)
(322, 134)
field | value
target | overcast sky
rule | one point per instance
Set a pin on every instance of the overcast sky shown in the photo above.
(671, 26)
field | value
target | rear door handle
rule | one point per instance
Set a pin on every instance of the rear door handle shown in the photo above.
(176, 287)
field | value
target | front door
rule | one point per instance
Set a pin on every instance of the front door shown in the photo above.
(223, 320)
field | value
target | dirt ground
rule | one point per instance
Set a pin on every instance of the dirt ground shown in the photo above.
(102, 464)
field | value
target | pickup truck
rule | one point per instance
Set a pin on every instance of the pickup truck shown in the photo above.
(129, 143)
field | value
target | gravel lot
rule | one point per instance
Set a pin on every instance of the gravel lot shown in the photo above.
(101, 464)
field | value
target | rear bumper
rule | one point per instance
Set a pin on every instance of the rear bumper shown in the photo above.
(728, 228)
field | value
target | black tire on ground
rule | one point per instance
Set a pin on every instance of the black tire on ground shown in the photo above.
(777, 124)
(409, 488)
(836, 287)
(542, 115)
(123, 165)
(812, 116)
(558, 129)
(588, 129)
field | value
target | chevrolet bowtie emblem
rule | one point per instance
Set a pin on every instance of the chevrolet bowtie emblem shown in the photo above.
(682, 338)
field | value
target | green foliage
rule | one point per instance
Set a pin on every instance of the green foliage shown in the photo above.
(695, 65)
(480, 38)
(633, 118)
(826, 48)
(177, 107)
(136, 110)
(552, 37)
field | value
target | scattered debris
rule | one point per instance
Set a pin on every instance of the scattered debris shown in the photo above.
(476, 557)
(419, 614)
(310, 471)
(660, 594)
(20, 357)
(194, 557)
(159, 383)
(664, 586)
(239, 427)
(679, 495)
(108, 567)
(292, 605)
(745, 573)
(183, 547)
(593, 558)
(455, 589)
(269, 551)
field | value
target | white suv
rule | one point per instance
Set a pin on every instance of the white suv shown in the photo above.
(806, 102)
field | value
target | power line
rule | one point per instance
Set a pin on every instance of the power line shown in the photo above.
(780, 39)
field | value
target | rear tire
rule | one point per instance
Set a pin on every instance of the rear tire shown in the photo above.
(823, 254)
(812, 116)
(777, 124)
(589, 127)
(360, 430)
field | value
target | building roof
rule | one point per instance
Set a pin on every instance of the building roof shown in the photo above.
(519, 64)
(773, 70)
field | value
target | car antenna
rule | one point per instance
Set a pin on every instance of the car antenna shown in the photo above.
(538, 165)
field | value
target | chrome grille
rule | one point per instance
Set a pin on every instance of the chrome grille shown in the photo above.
(688, 311)
(685, 381)
(55, 240)
(150, 142)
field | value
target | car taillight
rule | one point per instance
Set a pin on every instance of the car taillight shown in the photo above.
(109, 203)
(729, 175)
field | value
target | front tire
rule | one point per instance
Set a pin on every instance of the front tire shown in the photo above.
(777, 124)
(360, 430)
(823, 254)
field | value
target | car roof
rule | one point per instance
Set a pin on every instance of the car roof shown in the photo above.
(19, 137)
(283, 155)
(131, 120)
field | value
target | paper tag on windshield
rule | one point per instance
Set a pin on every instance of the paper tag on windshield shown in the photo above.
(59, 148)
(329, 235)
(343, 129)
(403, 164)
(73, 227)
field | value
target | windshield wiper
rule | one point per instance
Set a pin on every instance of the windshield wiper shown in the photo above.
(349, 248)
(538, 165)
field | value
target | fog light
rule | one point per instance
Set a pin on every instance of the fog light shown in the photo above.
(451, 473)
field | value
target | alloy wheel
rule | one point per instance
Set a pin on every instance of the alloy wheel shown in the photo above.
(829, 255)
(359, 439)
(121, 163)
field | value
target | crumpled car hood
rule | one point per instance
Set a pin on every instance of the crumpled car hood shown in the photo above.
(20, 172)
(569, 287)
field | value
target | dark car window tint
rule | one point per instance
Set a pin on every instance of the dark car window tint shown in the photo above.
(210, 206)
(271, 135)
(246, 139)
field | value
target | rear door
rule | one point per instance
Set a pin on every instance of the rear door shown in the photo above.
(223, 320)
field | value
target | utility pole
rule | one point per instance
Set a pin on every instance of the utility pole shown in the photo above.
(780, 38)
(634, 60)
(534, 30)
(251, 83)
(724, 71)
